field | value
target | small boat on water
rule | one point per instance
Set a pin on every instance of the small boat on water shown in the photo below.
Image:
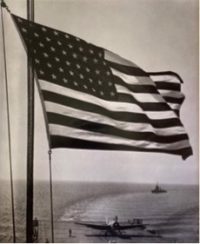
(158, 189)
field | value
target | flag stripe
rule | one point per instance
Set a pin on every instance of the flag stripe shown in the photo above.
(121, 116)
(167, 76)
(128, 70)
(174, 106)
(84, 124)
(164, 85)
(65, 141)
(174, 94)
(61, 130)
(99, 118)
(174, 100)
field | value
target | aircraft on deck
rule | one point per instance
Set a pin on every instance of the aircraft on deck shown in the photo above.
(113, 227)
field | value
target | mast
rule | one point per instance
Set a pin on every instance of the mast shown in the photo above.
(30, 135)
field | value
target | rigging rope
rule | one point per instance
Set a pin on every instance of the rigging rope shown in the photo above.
(51, 195)
(3, 5)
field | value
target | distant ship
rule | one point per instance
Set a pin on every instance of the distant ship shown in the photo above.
(158, 189)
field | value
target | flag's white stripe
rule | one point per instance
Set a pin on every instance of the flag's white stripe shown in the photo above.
(113, 57)
(141, 97)
(161, 114)
(109, 105)
(98, 118)
(170, 93)
(133, 80)
(60, 130)
(166, 78)
(174, 106)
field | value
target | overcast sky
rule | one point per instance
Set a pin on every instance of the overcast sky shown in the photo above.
(157, 35)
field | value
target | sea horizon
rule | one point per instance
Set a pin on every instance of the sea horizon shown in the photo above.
(105, 181)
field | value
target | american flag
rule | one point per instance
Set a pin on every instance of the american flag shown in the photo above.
(95, 99)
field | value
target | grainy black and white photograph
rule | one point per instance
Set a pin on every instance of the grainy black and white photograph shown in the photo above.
(99, 108)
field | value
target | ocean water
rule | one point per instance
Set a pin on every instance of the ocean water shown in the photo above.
(174, 215)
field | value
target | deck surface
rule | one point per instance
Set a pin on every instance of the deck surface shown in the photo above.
(82, 234)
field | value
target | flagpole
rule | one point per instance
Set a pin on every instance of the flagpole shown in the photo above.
(30, 135)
